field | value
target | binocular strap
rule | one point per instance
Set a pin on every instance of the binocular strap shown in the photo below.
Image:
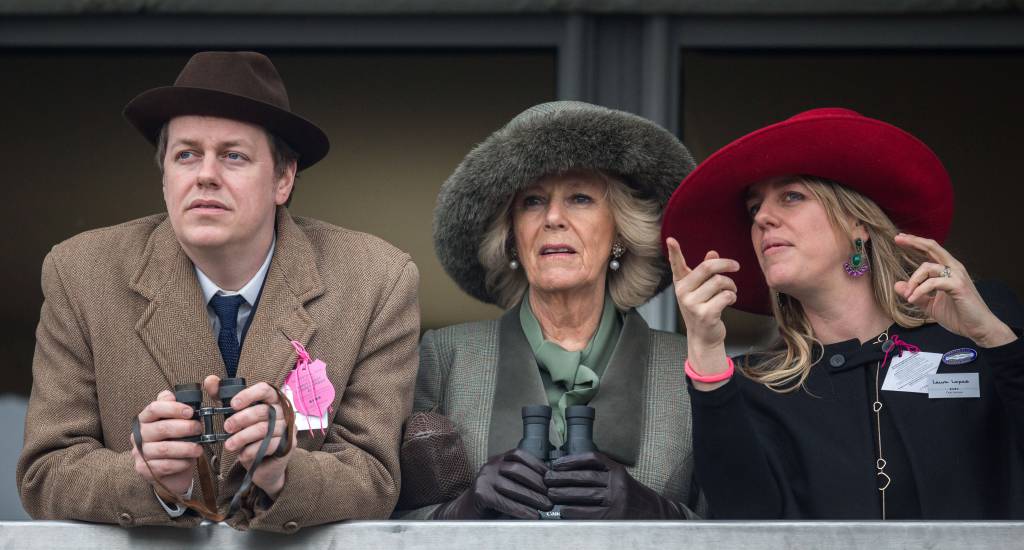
(207, 508)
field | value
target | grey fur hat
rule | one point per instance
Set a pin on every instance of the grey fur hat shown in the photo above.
(545, 139)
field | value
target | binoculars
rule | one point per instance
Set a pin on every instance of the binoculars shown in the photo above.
(192, 395)
(579, 432)
(579, 437)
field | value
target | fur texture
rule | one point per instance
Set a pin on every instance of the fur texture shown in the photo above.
(548, 139)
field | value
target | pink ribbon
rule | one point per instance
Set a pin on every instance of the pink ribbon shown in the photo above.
(900, 345)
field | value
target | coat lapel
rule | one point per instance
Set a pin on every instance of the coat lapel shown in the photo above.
(619, 403)
(175, 327)
(267, 354)
(517, 384)
(292, 281)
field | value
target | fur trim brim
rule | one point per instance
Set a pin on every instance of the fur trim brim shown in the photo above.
(547, 139)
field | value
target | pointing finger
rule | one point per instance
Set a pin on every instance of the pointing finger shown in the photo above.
(676, 260)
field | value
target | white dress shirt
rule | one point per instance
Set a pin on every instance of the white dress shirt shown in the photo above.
(250, 293)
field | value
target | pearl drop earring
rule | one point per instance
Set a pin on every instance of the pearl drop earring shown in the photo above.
(617, 251)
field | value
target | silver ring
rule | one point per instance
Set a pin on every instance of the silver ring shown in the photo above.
(946, 271)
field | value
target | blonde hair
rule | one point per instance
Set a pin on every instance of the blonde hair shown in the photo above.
(638, 228)
(785, 366)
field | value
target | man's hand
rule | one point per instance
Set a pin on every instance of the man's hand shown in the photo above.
(160, 423)
(248, 428)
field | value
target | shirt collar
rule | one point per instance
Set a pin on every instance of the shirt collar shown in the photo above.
(250, 292)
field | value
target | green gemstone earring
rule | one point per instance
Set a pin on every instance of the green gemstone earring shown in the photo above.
(858, 263)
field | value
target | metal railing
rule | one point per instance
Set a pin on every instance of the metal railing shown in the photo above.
(477, 535)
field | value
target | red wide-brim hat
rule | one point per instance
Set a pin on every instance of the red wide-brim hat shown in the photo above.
(886, 164)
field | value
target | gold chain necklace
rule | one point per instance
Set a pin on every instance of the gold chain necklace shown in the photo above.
(880, 463)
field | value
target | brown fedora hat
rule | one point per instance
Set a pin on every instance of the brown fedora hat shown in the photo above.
(241, 86)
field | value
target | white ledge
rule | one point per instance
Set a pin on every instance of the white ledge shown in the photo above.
(498, 535)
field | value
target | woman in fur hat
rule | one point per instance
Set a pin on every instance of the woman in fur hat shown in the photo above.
(556, 218)
(893, 390)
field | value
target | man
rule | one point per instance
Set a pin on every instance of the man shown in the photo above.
(220, 286)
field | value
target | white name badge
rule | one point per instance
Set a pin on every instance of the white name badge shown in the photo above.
(953, 385)
(911, 372)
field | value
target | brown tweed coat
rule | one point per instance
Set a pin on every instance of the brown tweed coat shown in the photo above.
(124, 318)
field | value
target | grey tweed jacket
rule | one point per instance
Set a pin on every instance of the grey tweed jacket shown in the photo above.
(481, 374)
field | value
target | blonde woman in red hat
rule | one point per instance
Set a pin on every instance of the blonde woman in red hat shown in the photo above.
(895, 389)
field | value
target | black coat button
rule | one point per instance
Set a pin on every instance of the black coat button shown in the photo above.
(837, 360)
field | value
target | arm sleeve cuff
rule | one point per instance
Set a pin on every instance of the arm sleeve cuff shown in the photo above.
(173, 510)
(1006, 354)
(1007, 363)
(719, 397)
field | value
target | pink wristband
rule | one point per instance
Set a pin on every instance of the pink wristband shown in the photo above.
(696, 377)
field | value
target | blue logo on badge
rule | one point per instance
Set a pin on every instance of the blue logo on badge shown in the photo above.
(959, 356)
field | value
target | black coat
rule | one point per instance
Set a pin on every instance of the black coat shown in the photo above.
(811, 453)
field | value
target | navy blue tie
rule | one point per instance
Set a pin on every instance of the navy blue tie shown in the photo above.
(226, 308)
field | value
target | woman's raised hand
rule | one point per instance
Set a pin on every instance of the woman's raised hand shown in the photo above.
(703, 293)
(943, 289)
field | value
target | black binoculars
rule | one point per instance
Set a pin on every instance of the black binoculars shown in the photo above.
(579, 432)
(579, 437)
(192, 395)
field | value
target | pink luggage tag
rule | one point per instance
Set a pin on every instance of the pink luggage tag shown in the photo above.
(312, 390)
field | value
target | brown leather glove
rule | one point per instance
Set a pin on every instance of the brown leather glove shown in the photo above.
(593, 486)
(510, 484)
